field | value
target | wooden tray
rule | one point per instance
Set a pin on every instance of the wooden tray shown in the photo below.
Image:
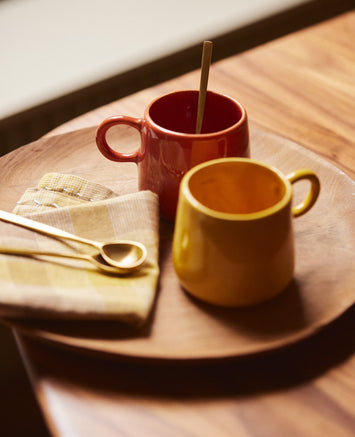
(181, 328)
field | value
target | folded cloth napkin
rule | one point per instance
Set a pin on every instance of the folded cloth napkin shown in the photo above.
(74, 289)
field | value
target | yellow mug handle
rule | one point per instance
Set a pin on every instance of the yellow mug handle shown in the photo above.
(313, 193)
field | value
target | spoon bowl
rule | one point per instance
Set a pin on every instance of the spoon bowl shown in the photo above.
(124, 254)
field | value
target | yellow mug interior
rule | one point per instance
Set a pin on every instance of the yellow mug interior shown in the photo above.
(237, 186)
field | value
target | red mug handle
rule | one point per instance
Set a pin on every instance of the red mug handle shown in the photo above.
(104, 147)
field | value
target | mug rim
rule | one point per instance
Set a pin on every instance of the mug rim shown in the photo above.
(267, 212)
(157, 126)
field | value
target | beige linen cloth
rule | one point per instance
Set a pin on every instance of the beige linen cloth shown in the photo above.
(72, 289)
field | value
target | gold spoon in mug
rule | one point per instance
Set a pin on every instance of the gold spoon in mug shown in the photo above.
(124, 255)
(205, 68)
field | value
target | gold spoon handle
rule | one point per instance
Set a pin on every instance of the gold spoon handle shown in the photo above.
(99, 265)
(205, 68)
(43, 228)
(30, 252)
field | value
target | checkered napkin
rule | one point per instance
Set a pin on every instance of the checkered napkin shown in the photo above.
(75, 289)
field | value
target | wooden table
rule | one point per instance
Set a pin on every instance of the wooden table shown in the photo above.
(301, 87)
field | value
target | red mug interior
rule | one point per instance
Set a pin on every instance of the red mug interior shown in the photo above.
(177, 112)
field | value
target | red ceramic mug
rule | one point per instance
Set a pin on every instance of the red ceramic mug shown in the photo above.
(169, 145)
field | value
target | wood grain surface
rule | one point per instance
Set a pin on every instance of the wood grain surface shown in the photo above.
(302, 88)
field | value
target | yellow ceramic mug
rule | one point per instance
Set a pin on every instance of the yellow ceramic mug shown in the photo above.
(233, 240)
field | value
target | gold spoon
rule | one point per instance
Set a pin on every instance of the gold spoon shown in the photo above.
(95, 259)
(205, 69)
(125, 255)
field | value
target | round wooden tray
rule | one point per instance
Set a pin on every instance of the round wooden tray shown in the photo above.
(180, 327)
